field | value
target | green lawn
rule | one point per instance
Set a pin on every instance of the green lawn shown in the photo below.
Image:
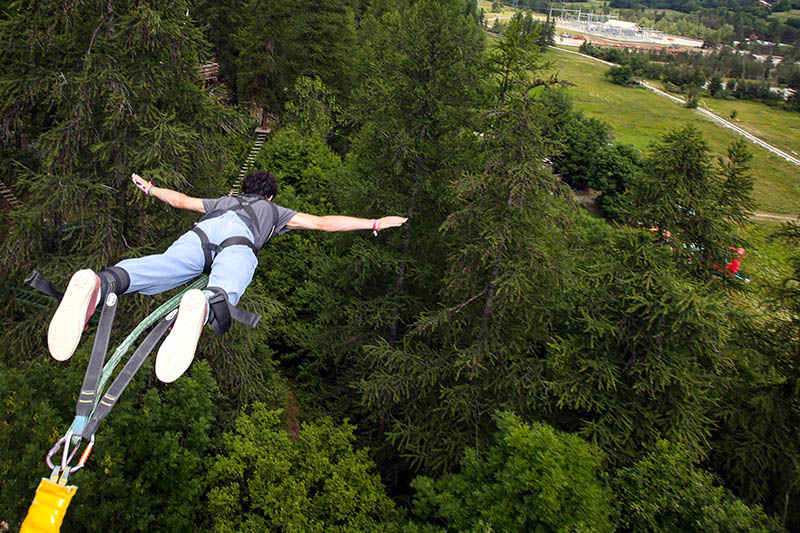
(766, 262)
(785, 15)
(639, 116)
(779, 127)
(505, 14)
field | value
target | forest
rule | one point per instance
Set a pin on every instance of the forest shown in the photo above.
(505, 361)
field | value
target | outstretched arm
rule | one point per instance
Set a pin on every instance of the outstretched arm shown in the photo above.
(173, 198)
(343, 223)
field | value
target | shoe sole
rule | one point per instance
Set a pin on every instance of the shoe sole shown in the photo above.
(177, 351)
(69, 320)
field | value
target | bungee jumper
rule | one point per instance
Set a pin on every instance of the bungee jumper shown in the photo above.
(217, 257)
(222, 244)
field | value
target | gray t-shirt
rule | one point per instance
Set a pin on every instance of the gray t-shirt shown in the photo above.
(260, 227)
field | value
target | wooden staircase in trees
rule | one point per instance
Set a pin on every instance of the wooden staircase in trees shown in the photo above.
(9, 197)
(261, 137)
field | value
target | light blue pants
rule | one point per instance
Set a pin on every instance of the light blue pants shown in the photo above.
(232, 269)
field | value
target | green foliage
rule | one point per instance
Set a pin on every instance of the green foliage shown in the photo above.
(312, 109)
(516, 55)
(762, 408)
(475, 350)
(281, 41)
(218, 17)
(665, 492)
(533, 478)
(147, 468)
(419, 85)
(265, 481)
(305, 167)
(583, 139)
(620, 75)
(30, 423)
(682, 193)
(715, 87)
(613, 172)
(303, 162)
(95, 97)
(645, 352)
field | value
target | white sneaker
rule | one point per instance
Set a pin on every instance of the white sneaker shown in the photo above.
(76, 307)
(177, 351)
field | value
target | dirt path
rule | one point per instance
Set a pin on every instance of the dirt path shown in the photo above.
(774, 218)
(588, 199)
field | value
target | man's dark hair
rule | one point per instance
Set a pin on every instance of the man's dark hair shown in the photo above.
(261, 183)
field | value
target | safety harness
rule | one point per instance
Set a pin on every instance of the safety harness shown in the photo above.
(221, 311)
(91, 409)
(210, 250)
(53, 495)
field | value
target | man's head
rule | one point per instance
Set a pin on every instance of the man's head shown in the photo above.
(261, 183)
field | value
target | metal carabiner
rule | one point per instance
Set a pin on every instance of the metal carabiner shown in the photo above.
(84, 455)
(66, 457)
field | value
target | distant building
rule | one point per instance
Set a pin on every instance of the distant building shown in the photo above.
(621, 25)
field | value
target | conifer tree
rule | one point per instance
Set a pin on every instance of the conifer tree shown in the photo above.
(645, 353)
(283, 40)
(684, 195)
(761, 411)
(92, 92)
(478, 351)
(221, 20)
(420, 66)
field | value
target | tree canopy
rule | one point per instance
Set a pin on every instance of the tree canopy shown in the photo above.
(504, 361)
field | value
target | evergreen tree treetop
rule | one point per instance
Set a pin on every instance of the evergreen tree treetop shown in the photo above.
(90, 94)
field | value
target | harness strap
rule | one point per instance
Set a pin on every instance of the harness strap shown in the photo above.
(125, 376)
(111, 279)
(248, 208)
(41, 284)
(210, 250)
(207, 249)
(222, 313)
(250, 219)
(95, 367)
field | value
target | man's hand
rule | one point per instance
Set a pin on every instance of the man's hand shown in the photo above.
(168, 196)
(390, 222)
(143, 185)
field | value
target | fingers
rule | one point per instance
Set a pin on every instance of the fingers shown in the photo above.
(392, 222)
(140, 182)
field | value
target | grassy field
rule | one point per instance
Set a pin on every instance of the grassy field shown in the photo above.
(505, 14)
(778, 127)
(639, 116)
(785, 15)
(766, 262)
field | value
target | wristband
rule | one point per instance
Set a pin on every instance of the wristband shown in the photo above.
(375, 227)
(149, 191)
